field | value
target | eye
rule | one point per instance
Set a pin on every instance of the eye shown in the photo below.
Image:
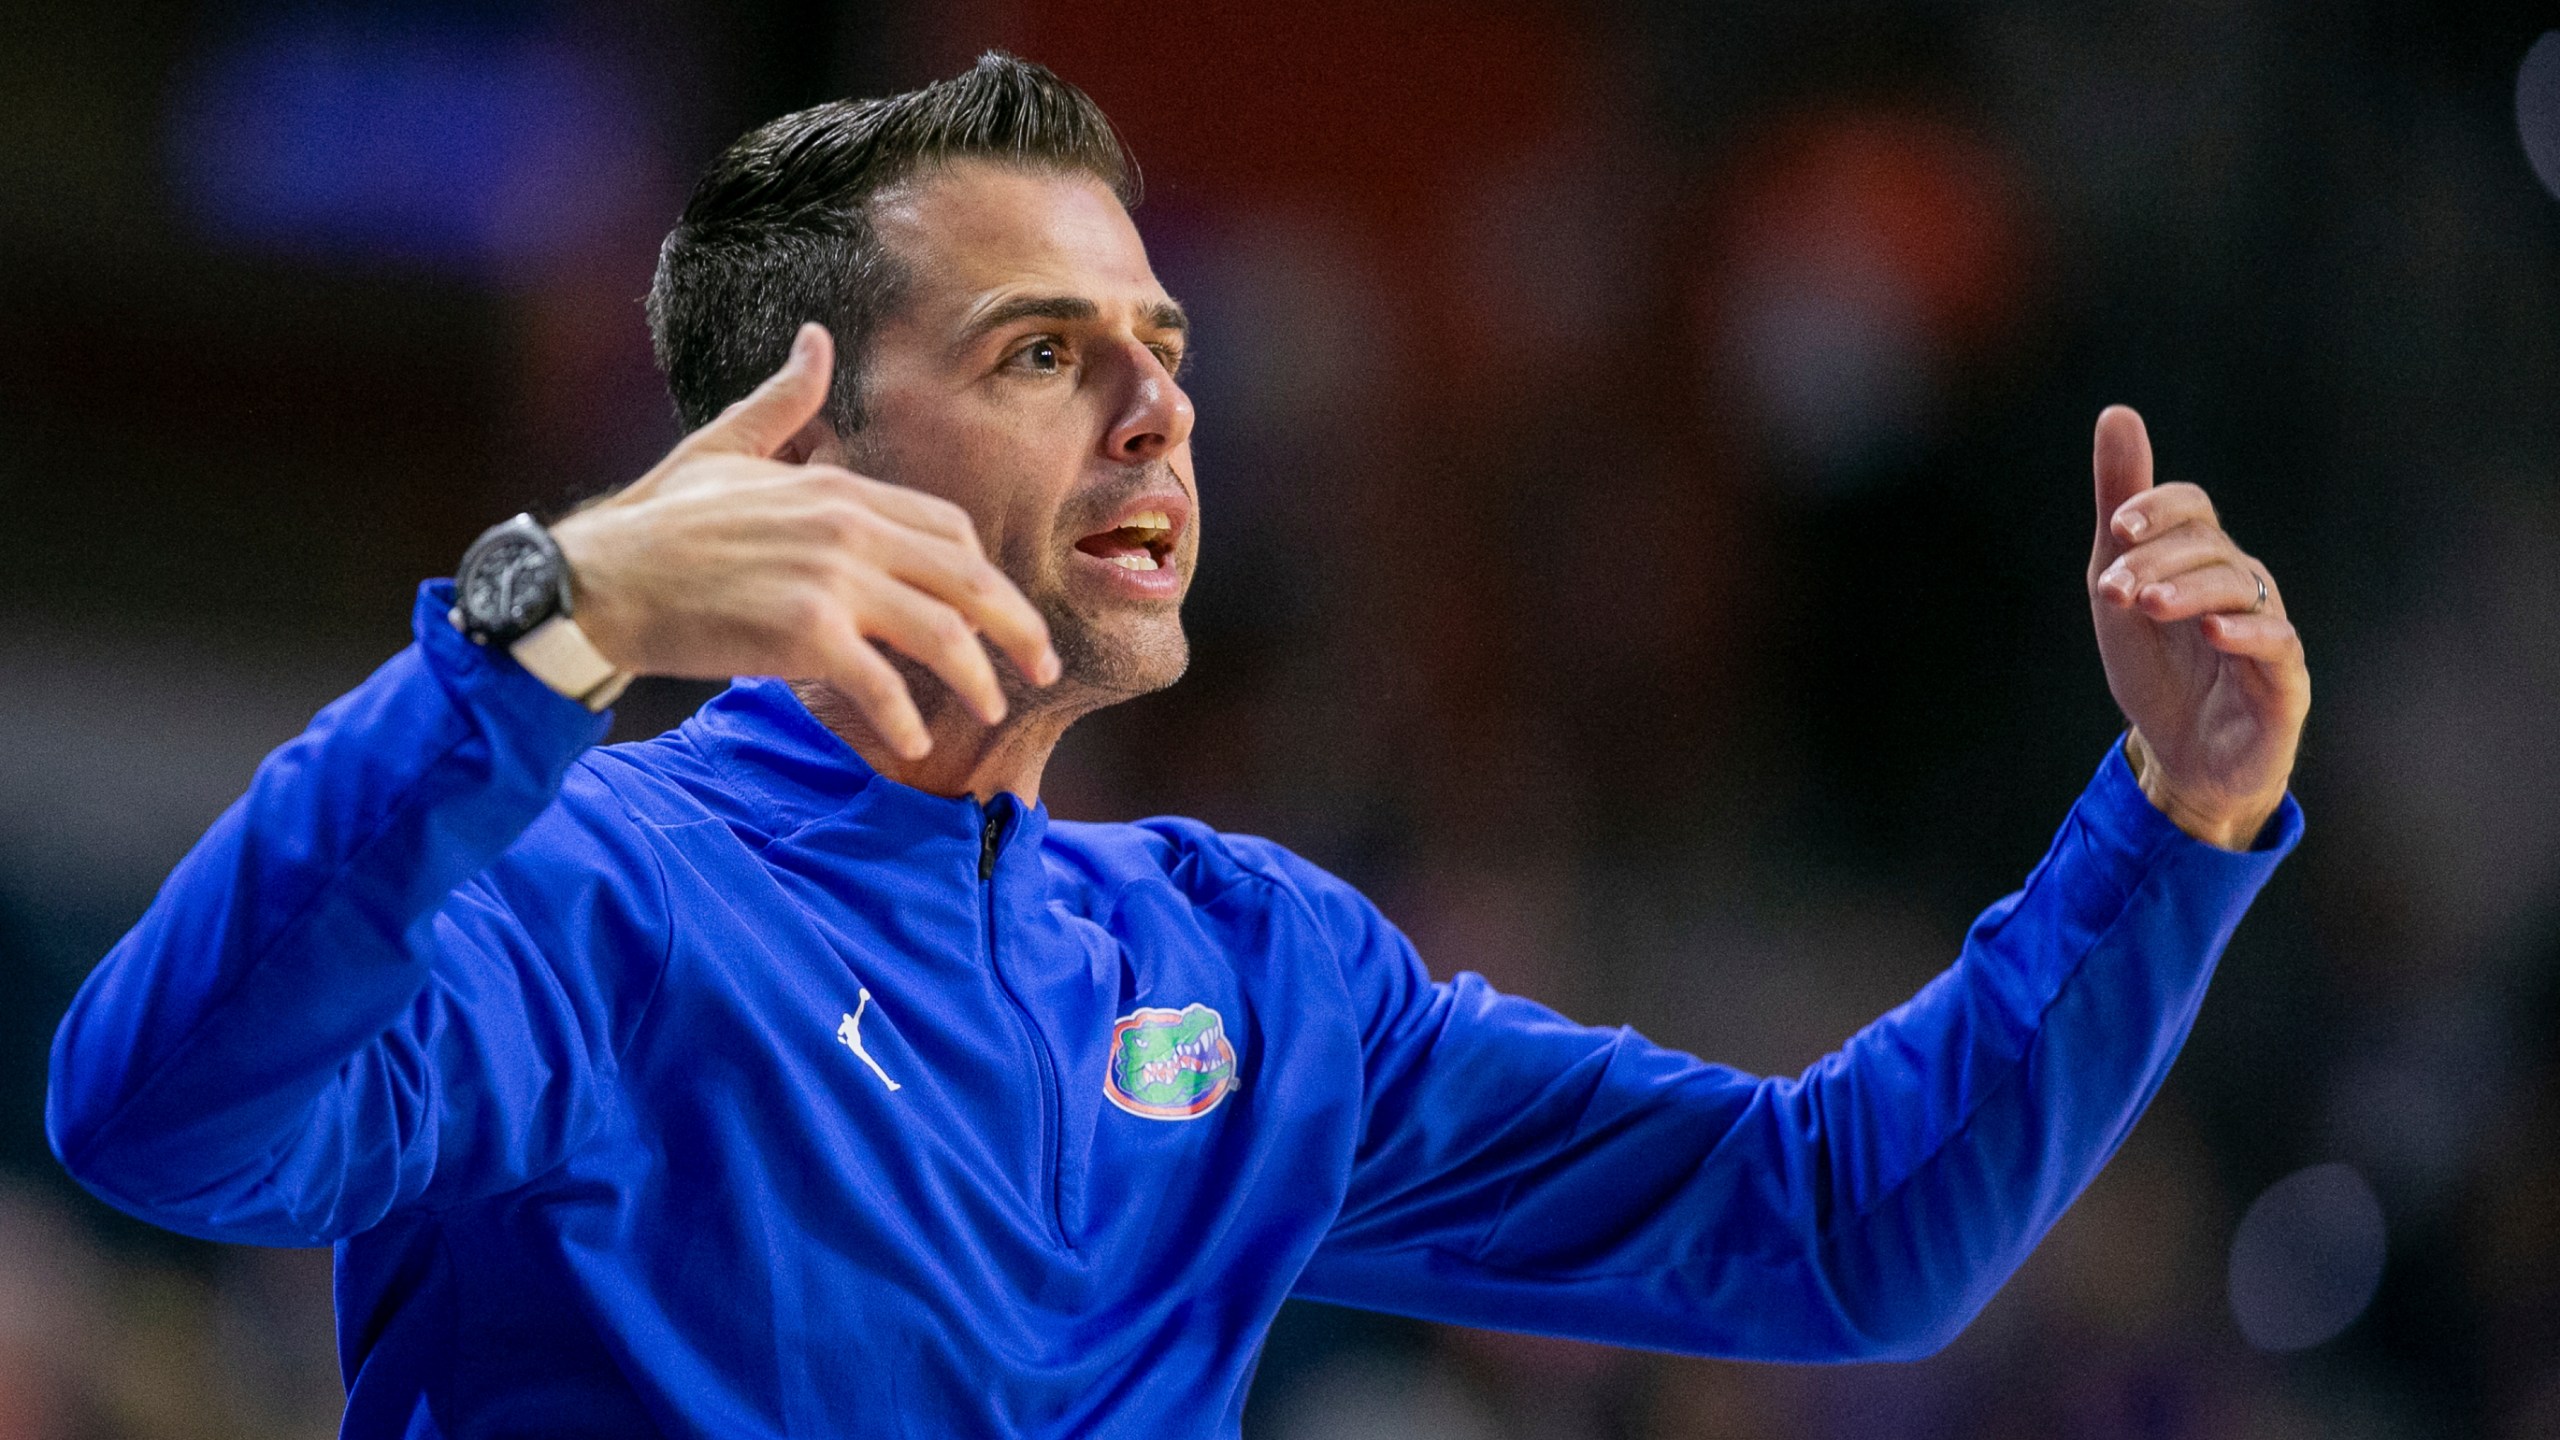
(1043, 356)
(1170, 357)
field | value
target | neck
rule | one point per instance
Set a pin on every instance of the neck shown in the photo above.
(968, 756)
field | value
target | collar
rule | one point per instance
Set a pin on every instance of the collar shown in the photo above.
(795, 771)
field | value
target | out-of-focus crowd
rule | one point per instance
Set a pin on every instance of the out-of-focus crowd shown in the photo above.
(1644, 453)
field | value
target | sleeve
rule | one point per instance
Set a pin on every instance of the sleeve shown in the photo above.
(338, 1005)
(1522, 1172)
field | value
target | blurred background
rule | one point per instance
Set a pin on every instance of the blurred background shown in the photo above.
(1645, 453)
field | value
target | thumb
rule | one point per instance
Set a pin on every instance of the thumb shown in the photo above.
(774, 411)
(2121, 462)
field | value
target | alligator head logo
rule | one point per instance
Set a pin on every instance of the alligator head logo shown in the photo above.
(1170, 1064)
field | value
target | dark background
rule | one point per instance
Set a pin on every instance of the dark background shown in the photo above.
(1645, 457)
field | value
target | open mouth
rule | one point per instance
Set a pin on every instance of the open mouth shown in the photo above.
(1143, 542)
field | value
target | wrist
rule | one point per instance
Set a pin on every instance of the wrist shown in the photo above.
(514, 591)
(585, 543)
(2221, 821)
(558, 653)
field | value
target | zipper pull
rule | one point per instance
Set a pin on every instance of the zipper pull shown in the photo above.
(989, 843)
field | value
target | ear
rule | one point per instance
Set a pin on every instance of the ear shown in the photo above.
(815, 441)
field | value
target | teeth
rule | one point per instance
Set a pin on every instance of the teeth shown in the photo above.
(1148, 520)
(1139, 561)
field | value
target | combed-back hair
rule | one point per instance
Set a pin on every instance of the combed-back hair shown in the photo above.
(779, 232)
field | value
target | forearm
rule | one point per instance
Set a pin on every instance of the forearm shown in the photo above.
(1960, 1127)
(2046, 1044)
(1614, 1190)
(293, 934)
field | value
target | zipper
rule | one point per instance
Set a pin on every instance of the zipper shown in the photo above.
(990, 847)
(990, 844)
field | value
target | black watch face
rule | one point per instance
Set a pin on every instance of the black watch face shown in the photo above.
(509, 588)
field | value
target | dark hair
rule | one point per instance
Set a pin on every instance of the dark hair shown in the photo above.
(779, 232)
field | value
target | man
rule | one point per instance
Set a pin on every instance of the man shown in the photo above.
(793, 1074)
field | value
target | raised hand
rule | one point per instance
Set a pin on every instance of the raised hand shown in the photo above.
(2198, 650)
(724, 560)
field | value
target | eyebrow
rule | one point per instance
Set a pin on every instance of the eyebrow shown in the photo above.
(1162, 315)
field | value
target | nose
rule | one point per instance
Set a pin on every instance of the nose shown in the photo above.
(1155, 415)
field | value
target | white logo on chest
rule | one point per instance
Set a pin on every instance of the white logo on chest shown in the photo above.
(850, 1032)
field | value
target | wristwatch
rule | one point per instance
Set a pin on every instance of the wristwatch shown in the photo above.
(513, 589)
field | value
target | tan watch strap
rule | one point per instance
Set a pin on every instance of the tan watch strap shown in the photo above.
(561, 656)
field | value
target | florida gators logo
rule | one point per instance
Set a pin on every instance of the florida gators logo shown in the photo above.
(1170, 1064)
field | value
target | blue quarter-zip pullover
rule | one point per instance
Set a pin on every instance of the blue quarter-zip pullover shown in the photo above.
(718, 1086)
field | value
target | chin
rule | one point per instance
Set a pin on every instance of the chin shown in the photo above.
(1123, 657)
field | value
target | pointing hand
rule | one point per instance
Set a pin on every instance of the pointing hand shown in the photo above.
(726, 560)
(2198, 650)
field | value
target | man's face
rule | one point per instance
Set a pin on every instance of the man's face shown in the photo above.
(1028, 376)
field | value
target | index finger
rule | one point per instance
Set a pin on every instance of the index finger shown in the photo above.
(2120, 463)
(914, 508)
(985, 596)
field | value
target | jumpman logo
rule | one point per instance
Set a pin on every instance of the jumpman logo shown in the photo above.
(850, 1032)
